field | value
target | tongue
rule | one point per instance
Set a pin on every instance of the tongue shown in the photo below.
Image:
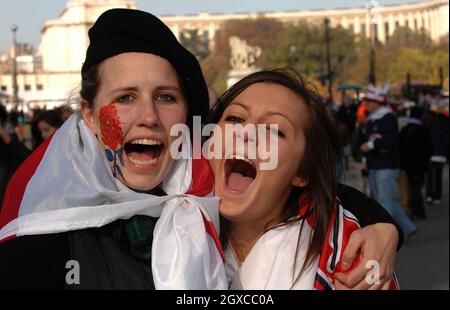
(145, 155)
(238, 182)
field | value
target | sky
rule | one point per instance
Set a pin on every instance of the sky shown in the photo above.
(30, 15)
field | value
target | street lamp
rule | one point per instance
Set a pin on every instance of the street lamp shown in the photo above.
(371, 6)
(329, 74)
(14, 29)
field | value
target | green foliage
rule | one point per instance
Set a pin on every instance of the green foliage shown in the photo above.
(403, 37)
(302, 47)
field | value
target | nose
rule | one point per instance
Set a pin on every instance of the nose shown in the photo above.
(147, 114)
(249, 133)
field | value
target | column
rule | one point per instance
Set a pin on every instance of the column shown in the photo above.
(381, 30)
(357, 24)
(391, 24)
(411, 21)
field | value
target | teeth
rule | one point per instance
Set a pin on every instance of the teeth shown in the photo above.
(142, 162)
(145, 142)
(242, 158)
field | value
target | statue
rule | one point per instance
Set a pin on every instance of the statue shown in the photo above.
(243, 56)
(243, 59)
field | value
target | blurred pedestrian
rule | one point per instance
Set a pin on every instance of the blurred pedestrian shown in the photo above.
(382, 157)
(12, 152)
(48, 122)
(415, 152)
(438, 126)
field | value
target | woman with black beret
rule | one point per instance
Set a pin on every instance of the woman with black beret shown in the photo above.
(102, 204)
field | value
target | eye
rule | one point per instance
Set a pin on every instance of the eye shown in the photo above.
(234, 119)
(276, 132)
(166, 98)
(125, 98)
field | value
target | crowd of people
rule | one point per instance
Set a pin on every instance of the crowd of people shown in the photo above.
(22, 133)
(402, 146)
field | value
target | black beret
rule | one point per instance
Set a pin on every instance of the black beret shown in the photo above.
(120, 31)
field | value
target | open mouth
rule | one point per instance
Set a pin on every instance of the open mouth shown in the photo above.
(143, 152)
(239, 173)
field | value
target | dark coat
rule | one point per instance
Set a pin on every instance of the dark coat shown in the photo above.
(105, 259)
(11, 157)
(415, 148)
(385, 154)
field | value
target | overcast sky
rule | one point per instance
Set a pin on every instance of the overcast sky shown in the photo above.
(30, 15)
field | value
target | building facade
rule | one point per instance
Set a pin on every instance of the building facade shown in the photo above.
(55, 68)
(432, 16)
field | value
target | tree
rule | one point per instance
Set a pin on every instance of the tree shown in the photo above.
(404, 37)
(409, 60)
(302, 47)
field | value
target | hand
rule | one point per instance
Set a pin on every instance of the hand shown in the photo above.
(364, 148)
(375, 242)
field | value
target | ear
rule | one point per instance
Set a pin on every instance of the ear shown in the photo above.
(88, 114)
(299, 182)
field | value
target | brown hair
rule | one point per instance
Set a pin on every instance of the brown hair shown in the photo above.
(90, 82)
(318, 165)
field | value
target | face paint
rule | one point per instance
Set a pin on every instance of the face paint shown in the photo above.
(112, 135)
(110, 126)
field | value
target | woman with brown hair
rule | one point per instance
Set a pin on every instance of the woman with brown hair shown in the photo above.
(288, 227)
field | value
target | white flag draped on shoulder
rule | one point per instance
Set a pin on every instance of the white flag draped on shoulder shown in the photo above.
(67, 185)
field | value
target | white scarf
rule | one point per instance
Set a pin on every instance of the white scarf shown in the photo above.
(73, 188)
(270, 263)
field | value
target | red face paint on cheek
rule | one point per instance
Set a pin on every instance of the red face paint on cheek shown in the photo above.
(112, 135)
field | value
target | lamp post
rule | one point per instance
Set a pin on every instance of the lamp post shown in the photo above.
(371, 6)
(14, 29)
(329, 74)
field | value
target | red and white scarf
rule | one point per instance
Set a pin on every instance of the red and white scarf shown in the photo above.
(270, 263)
(67, 185)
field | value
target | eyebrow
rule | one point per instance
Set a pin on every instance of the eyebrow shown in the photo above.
(135, 89)
(245, 107)
(270, 113)
(122, 89)
(174, 88)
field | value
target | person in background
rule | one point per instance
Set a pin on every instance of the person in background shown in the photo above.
(12, 152)
(382, 157)
(415, 152)
(437, 124)
(48, 122)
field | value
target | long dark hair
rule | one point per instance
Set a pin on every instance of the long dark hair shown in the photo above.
(318, 165)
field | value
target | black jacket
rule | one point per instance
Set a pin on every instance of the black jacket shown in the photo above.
(39, 262)
(438, 128)
(415, 148)
(11, 157)
(385, 154)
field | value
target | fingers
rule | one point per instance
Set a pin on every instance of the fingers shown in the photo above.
(363, 285)
(352, 249)
(354, 277)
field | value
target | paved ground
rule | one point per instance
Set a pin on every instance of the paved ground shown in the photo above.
(423, 261)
